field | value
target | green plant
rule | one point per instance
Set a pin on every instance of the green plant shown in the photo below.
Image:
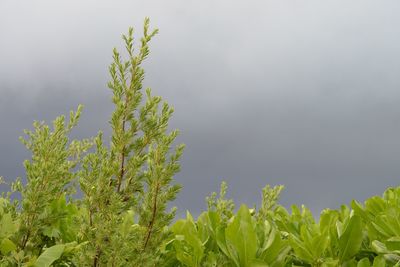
(130, 182)
(126, 184)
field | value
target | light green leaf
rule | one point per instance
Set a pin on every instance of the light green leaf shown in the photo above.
(7, 246)
(364, 263)
(300, 249)
(351, 239)
(7, 226)
(188, 244)
(379, 247)
(379, 261)
(275, 249)
(393, 243)
(49, 256)
(241, 238)
(221, 241)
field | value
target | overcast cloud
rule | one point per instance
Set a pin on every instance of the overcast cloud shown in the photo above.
(300, 93)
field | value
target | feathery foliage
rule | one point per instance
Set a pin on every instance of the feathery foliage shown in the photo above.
(126, 185)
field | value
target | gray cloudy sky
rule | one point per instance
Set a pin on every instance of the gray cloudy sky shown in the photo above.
(300, 93)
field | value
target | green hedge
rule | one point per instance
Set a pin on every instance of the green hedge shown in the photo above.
(360, 235)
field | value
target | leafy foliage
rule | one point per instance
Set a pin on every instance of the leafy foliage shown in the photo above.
(121, 218)
(345, 237)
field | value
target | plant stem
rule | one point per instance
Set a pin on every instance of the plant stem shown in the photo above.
(153, 217)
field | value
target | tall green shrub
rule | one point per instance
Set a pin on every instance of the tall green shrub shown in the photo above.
(130, 182)
(126, 185)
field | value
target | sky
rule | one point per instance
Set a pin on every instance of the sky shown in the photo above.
(300, 93)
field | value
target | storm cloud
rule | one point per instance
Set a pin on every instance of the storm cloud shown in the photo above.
(300, 93)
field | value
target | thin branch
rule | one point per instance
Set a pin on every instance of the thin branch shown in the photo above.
(96, 257)
(122, 167)
(153, 217)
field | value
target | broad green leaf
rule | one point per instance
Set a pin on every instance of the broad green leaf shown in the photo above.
(49, 256)
(392, 258)
(7, 246)
(364, 263)
(379, 247)
(351, 239)
(241, 238)
(275, 249)
(320, 243)
(221, 241)
(359, 210)
(387, 225)
(379, 261)
(301, 250)
(393, 243)
(202, 228)
(375, 205)
(188, 244)
(7, 225)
